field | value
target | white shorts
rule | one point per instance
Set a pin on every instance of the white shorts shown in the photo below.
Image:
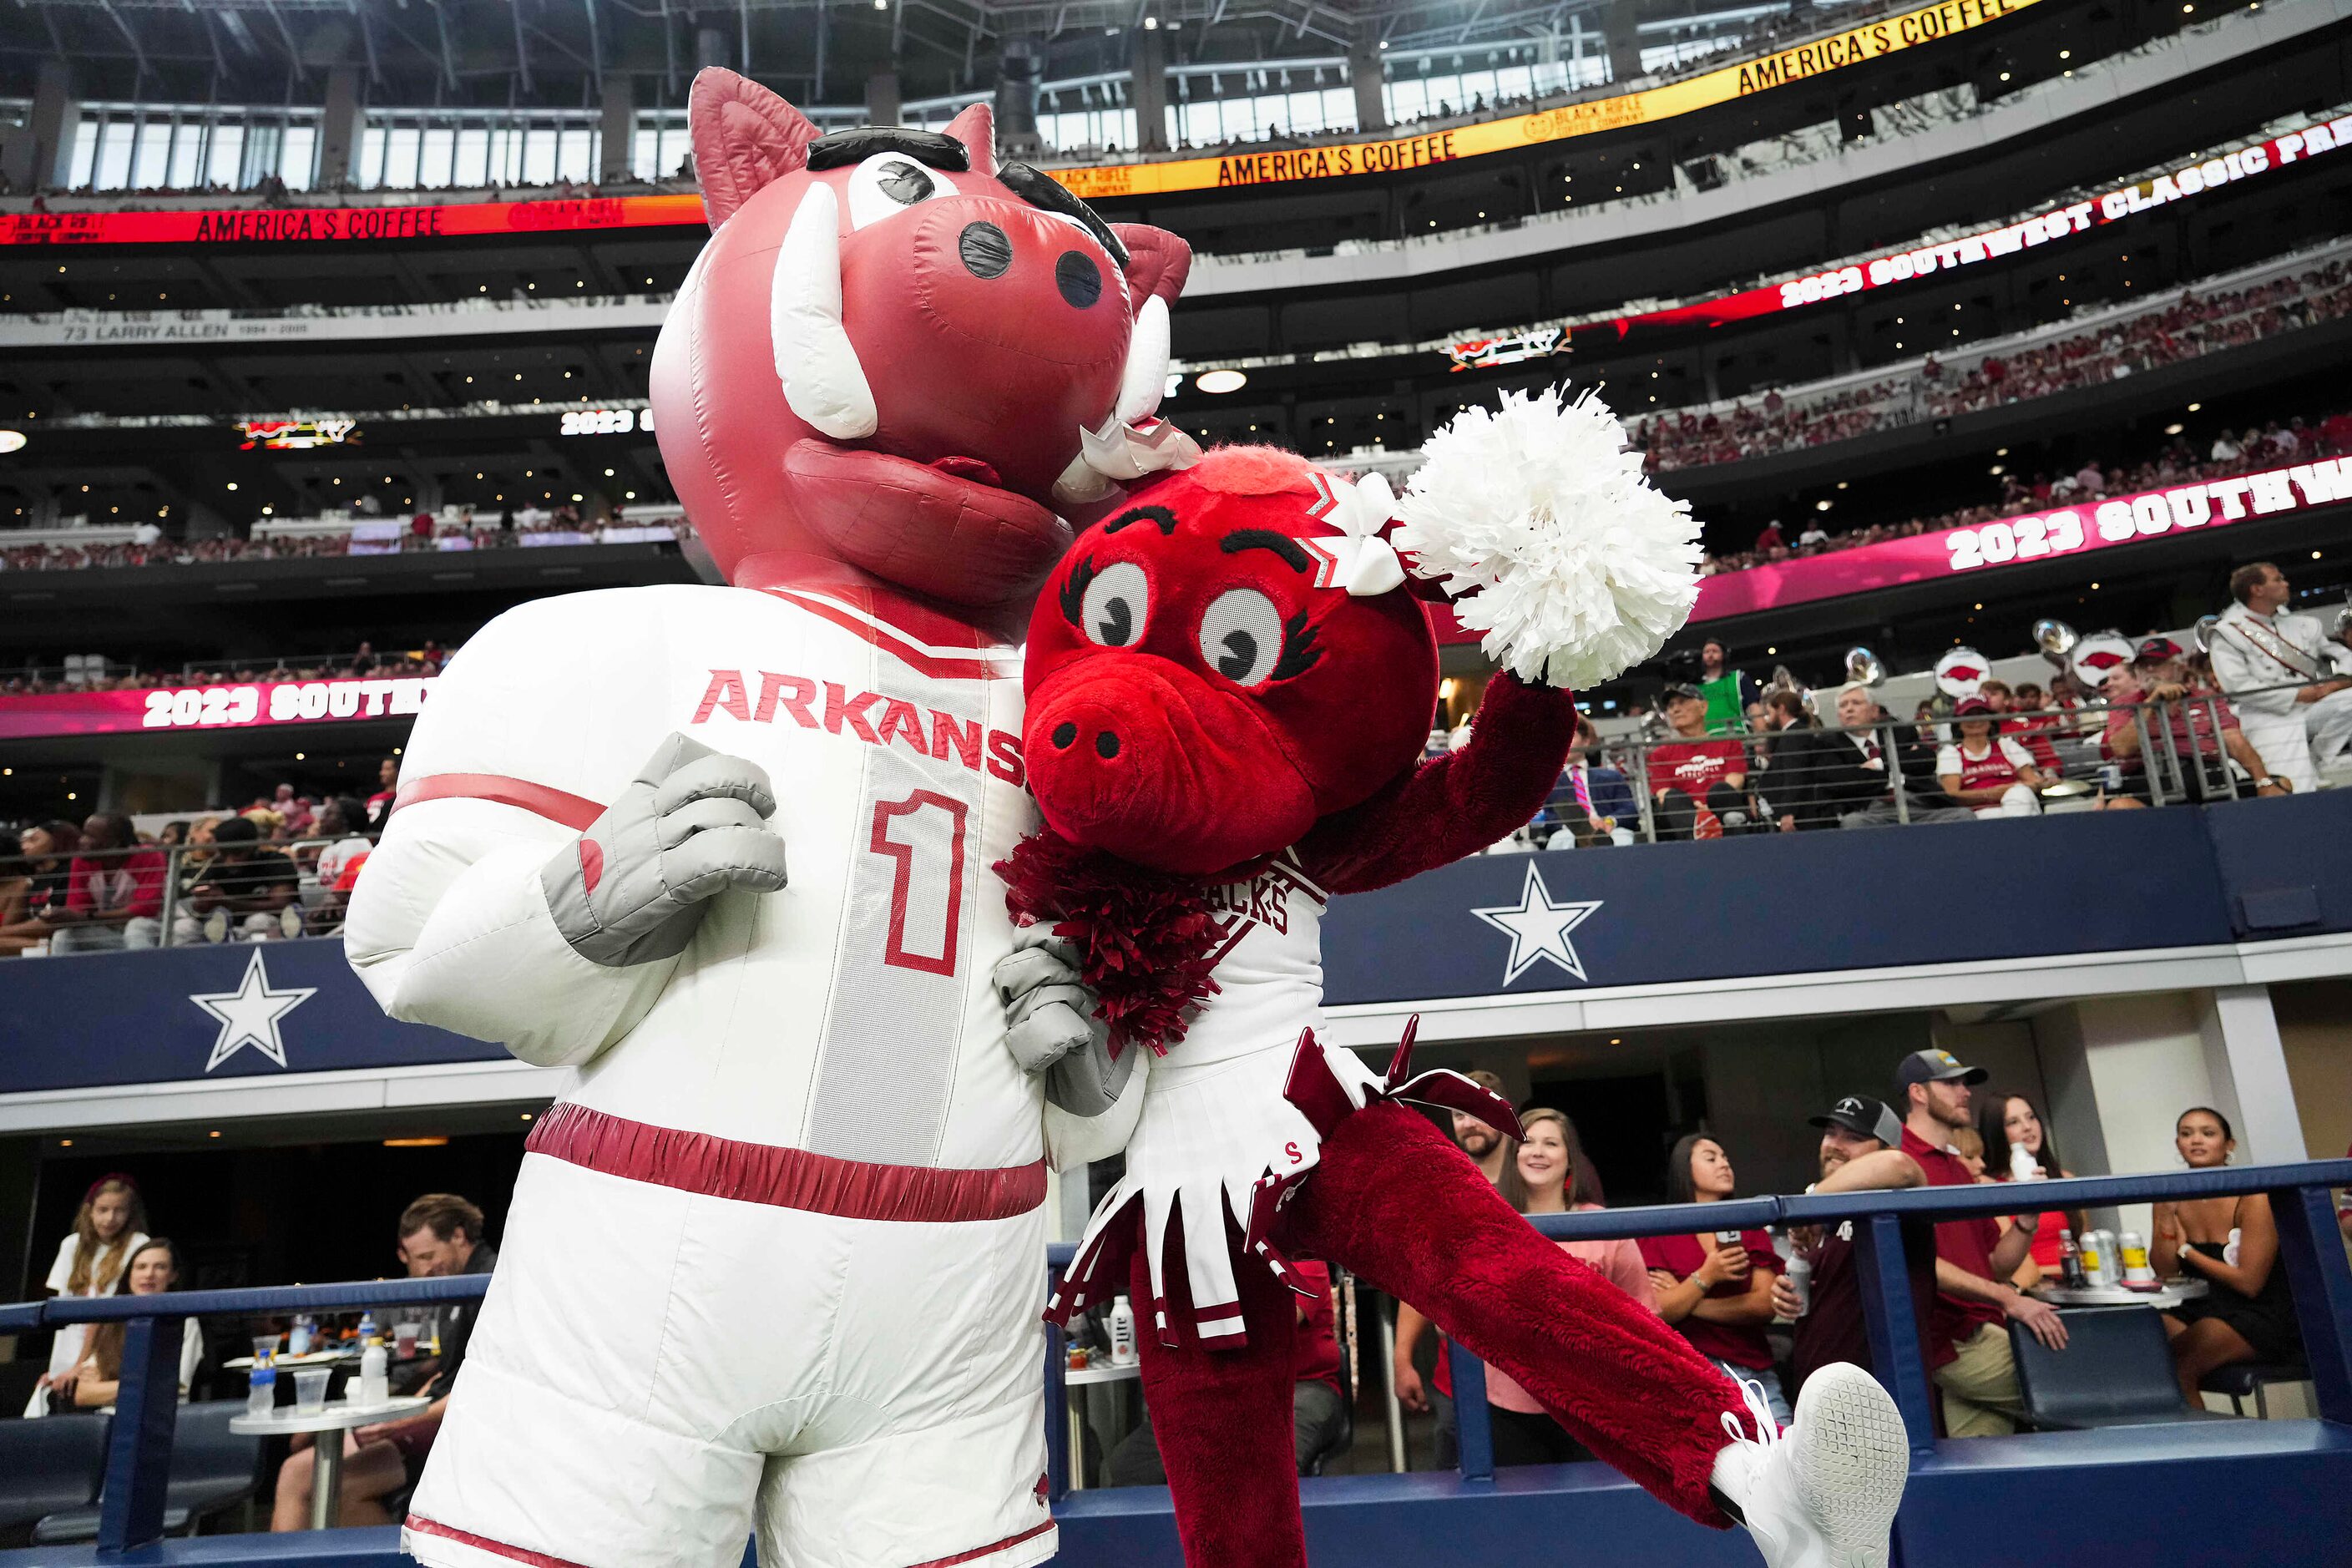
(657, 1374)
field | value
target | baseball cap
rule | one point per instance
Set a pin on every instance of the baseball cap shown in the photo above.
(1863, 1116)
(2156, 650)
(1682, 691)
(1935, 1067)
(1970, 707)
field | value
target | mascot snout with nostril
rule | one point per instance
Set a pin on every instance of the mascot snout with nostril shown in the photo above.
(1230, 684)
(773, 1263)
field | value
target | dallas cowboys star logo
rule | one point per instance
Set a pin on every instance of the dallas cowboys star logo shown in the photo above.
(248, 1015)
(1539, 927)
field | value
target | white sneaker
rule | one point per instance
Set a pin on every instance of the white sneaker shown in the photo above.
(1823, 1493)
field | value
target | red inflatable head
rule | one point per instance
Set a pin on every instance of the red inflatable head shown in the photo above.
(880, 366)
(1204, 684)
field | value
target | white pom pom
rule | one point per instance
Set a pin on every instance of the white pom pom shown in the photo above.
(1580, 569)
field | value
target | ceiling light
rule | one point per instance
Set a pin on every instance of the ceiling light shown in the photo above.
(1220, 381)
(12, 440)
(416, 1142)
(2172, 429)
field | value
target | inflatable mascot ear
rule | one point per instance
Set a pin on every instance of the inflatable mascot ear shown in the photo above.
(900, 362)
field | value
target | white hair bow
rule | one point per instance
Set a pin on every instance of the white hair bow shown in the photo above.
(1360, 560)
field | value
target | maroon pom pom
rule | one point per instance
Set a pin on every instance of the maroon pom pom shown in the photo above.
(1146, 939)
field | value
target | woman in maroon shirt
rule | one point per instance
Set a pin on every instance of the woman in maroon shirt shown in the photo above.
(1718, 1291)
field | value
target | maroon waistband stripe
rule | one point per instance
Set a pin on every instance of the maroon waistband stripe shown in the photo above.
(780, 1177)
(566, 810)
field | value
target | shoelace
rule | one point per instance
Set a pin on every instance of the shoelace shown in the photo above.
(1760, 1410)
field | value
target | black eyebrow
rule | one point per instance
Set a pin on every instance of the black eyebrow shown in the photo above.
(1282, 544)
(840, 149)
(1159, 515)
(1040, 190)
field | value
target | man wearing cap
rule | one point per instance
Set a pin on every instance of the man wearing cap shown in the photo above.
(1988, 773)
(1974, 1259)
(2270, 663)
(1697, 781)
(1858, 1153)
(2194, 731)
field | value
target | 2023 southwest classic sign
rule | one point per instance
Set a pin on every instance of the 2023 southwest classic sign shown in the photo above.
(231, 707)
(2031, 536)
(387, 225)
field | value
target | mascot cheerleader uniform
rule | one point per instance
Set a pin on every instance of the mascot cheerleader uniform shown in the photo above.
(1229, 684)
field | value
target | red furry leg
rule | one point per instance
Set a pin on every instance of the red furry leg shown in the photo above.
(1223, 1419)
(1397, 1204)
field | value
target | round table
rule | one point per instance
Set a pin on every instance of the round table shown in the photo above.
(327, 1471)
(2171, 1293)
(308, 1358)
(1080, 1377)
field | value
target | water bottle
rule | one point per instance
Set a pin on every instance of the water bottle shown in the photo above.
(305, 1329)
(376, 1384)
(261, 1391)
(1800, 1276)
(367, 1327)
(2022, 1165)
(2070, 1261)
(1121, 1326)
(2136, 1265)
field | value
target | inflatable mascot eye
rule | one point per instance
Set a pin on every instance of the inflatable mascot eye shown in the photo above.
(1242, 636)
(888, 184)
(1113, 604)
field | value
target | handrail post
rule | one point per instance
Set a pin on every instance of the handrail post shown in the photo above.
(139, 1444)
(1058, 1457)
(1891, 755)
(169, 913)
(1395, 1410)
(1641, 793)
(1474, 1429)
(2312, 1249)
(1882, 1268)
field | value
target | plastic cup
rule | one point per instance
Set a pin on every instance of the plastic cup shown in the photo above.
(311, 1389)
(403, 1340)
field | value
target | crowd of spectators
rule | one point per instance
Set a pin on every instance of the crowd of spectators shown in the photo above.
(2189, 325)
(149, 546)
(282, 867)
(365, 663)
(109, 1251)
(1772, 1309)
(1725, 755)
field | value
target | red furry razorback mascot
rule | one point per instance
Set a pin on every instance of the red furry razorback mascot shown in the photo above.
(1230, 682)
(772, 1261)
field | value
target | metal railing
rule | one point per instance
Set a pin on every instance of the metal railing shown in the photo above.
(186, 901)
(139, 1441)
(2171, 752)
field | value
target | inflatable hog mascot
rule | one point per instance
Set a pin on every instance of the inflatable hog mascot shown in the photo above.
(1230, 681)
(773, 1266)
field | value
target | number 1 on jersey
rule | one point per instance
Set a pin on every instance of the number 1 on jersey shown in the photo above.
(922, 836)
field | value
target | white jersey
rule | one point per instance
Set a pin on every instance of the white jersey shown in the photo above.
(1213, 1119)
(849, 1015)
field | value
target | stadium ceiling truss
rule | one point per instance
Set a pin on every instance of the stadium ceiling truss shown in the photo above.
(552, 52)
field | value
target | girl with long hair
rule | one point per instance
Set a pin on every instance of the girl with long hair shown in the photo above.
(1717, 1293)
(2008, 1122)
(2249, 1314)
(109, 1224)
(1546, 1177)
(154, 1267)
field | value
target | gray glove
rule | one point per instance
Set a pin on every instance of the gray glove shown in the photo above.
(692, 825)
(1050, 1025)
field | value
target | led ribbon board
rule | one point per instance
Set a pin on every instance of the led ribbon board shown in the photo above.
(2189, 180)
(1301, 165)
(2048, 535)
(240, 706)
(345, 225)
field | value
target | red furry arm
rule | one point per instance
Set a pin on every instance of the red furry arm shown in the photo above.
(1456, 805)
